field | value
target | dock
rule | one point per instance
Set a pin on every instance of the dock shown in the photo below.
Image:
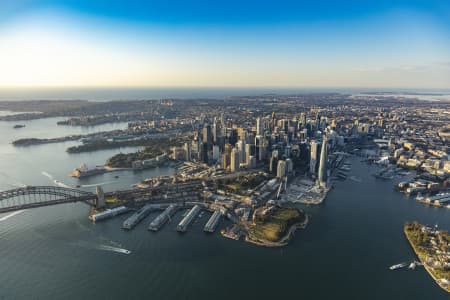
(109, 213)
(213, 222)
(138, 216)
(160, 220)
(187, 220)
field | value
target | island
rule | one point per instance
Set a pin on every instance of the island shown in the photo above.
(432, 247)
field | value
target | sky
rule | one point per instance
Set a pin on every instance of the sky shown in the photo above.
(176, 43)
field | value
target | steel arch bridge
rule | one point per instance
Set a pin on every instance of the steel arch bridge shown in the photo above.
(38, 196)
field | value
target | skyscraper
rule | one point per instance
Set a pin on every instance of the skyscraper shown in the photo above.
(259, 127)
(216, 131)
(281, 169)
(187, 150)
(204, 153)
(207, 135)
(303, 120)
(259, 147)
(323, 163)
(234, 161)
(240, 145)
(313, 157)
(248, 153)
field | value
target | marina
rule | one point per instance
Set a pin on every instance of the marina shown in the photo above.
(440, 199)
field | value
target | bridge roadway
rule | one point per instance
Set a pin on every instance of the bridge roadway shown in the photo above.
(38, 196)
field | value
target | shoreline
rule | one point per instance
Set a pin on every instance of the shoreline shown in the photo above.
(427, 268)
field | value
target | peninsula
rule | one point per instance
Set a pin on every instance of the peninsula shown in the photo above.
(432, 247)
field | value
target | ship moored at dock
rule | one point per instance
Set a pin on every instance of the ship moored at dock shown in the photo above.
(83, 171)
(160, 220)
(183, 225)
(213, 222)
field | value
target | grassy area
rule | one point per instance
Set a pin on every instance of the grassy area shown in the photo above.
(242, 183)
(111, 200)
(157, 147)
(276, 224)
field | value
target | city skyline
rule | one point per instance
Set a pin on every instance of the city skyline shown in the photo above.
(199, 44)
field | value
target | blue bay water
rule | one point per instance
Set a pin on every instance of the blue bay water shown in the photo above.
(344, 253)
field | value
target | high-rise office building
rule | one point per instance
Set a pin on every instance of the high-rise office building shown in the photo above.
(259, 127)
(204, 153)
(234, 160)
(323, 162)
(240, 145)
(259, 147)
(281, 169)
(216, 132)
(314, 156)
(303, 120)
(207, 136)
(187, 150)
(225, 160)
(248, 153)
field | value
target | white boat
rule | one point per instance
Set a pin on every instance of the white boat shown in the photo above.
(398, 266)
(114, 249)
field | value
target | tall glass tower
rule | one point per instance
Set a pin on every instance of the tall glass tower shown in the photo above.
(323, 163)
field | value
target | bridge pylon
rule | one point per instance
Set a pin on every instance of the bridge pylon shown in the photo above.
(100, 201)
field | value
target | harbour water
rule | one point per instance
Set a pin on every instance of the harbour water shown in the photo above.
(344, 253)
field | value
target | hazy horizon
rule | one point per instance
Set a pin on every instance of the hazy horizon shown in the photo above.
(154, 93)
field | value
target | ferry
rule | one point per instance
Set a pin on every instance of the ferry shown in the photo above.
(398, 266)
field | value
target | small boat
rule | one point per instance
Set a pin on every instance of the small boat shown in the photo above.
(114, 249)
(398, 266)
(19, 126)
(412, 265)
(117, 176)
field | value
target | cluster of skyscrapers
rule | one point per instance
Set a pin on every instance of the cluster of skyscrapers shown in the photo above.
(278, 145)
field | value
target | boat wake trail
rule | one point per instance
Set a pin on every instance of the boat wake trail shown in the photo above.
(102, 247)
(61, 184)
(95, 184)
(11, 215)
(56, 182)
(114, 249)
(47, 175)
(355, 179)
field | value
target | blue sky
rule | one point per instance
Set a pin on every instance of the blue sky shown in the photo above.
(225, 43)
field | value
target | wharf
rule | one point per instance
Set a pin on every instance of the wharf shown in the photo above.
(187, 220)
(212, 223)
(138, 216)
(160, 220)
